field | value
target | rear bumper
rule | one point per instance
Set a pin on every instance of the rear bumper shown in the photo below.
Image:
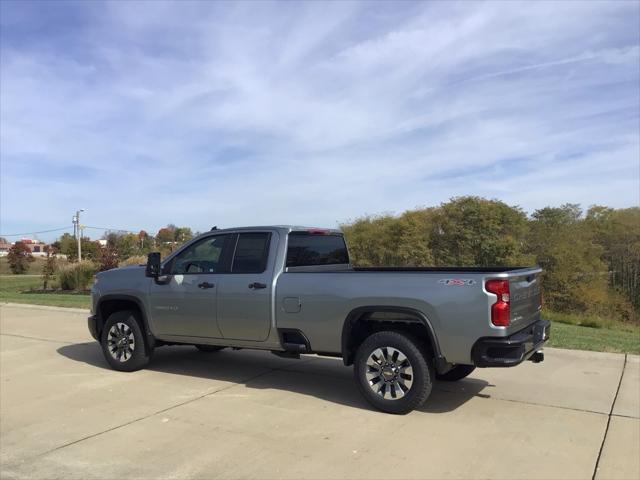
(92, 323)
(512, 350)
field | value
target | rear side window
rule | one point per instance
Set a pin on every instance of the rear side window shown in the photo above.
(252, 251)
(307, 249)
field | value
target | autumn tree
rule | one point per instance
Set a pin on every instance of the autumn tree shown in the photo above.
(166, 235)
(19, 258)
(473, 231)
(146, 241)
(182, 234)
(108, 258)
(67, 245)
(574, 274)
(388, 240)
(127, 245)
(617, 231)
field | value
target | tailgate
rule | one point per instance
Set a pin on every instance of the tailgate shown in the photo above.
(525, 297)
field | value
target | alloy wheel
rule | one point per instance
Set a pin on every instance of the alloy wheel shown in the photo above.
(120, 342)
(389, 373)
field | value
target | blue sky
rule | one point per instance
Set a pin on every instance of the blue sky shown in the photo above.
(315, 113)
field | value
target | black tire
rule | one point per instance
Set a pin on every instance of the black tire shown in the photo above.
(456, 373)
(119, 329)
(208, 348)
(421, 373)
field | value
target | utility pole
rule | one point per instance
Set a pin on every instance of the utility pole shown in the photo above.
(78, 229)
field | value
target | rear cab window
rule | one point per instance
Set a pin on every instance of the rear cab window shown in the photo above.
(251, 253)
(306, 249)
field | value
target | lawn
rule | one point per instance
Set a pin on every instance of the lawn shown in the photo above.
(34, 268)
(17, 289)
(620, 339)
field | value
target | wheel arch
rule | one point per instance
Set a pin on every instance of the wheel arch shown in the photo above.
(352, 335)
(109, 304)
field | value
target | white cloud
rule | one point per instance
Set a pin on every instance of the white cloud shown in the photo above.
(314, 113)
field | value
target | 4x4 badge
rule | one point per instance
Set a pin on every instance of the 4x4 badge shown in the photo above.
(457, 281)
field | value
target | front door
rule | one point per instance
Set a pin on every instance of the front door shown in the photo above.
(244, 294)
(183, 300)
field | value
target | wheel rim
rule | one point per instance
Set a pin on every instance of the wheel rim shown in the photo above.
(389, 373)
(120, 342)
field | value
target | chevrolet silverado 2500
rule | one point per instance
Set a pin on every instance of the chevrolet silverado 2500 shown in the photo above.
(292, 290)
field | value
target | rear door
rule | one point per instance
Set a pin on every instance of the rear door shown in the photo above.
(525, 297)
(244, 294)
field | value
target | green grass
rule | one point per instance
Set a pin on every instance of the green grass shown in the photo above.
(34, 268)
(17, 289)
(620, 339)
(592, 332)
(582, 320)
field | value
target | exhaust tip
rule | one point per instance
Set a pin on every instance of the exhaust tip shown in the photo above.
(537, 357)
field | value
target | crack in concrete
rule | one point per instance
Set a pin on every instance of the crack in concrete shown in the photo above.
(606, 430)
(561, 407)
(288, 368)
(163, 410)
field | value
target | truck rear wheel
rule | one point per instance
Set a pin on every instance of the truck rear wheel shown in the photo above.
(456, 373)
(393, 372)
(123, 343)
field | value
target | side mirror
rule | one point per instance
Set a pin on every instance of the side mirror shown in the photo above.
(153, 265)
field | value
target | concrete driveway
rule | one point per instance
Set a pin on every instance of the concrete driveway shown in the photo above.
(243, 414)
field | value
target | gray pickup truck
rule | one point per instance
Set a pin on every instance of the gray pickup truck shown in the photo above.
(292, 290)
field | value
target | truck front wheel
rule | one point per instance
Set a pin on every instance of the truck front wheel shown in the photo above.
(122, 342)
(393, 372)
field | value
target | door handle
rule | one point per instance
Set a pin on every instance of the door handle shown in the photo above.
(206, 285)
(257, 285)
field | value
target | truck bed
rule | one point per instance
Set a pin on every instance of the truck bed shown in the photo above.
(452, 269)
(490, 269)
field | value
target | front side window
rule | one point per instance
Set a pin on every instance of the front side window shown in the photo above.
(307, 250)
(205, 256)
(252, 251)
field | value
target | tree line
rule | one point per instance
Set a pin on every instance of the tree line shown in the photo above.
(591, 259)
(120, 248)
(122, 245)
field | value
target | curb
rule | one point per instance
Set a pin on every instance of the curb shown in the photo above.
(45, 307)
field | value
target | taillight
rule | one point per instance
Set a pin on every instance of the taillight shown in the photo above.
(500, 311)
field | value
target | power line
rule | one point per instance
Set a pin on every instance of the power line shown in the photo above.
(34, 233)
(111, 229)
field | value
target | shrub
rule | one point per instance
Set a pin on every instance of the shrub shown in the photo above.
(19, 258)
(49, 267)
(77, 276)
(108, 258)
(134, 260)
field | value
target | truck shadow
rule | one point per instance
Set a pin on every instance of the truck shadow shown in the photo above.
(321, 377)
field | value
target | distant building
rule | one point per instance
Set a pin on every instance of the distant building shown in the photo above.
(37, 247)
